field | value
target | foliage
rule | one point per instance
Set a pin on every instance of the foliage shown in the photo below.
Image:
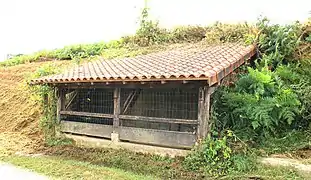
(212, 156)
(258, 106)
(288, 142)
(280, 41)
(45, 95)
(220, 33)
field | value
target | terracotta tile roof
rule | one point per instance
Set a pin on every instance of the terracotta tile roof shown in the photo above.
(211, 63)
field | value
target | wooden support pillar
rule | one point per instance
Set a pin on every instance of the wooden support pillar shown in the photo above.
(203, 113)
(116, 111)
(60, 103)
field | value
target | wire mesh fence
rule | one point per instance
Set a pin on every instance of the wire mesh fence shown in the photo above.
(173, 103)
(165, 103)
(91, 100)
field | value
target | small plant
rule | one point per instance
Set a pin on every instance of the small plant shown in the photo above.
(212, 156)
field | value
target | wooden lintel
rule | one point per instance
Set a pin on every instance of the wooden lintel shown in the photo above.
(86, 114)
(130, 85)
(157, 119)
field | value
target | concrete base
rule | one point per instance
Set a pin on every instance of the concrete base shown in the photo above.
(116, 144)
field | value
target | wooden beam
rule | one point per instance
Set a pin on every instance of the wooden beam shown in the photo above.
(60, 103)
(157, 119)
(131, 85)
(99, 130)
(158, 137)
(86, 114)
(129, 101)
(72, 98)
(206, 114)
(116, 109)
(200, 114)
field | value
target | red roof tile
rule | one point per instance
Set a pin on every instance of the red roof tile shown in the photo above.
(210, 63)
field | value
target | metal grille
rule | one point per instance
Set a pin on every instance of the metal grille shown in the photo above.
(166, 103)
(91, 100)
(93, 120)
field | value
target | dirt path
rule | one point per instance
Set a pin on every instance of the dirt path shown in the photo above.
(10, 172)
(287, 162)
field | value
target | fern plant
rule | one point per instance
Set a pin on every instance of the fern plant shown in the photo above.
(260, 103)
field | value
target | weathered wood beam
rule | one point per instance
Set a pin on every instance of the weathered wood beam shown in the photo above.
(130, 85)
(60, 103)
(72, 98)
(129, 101)
(157, 119)
(86, 114)
(158, 137)
(116, 109)
(206, 115)
(200, 113)
(99, 130)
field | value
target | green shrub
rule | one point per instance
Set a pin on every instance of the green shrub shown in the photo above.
(212, 156)
(220, 33)
(258, 106)
(281, 41)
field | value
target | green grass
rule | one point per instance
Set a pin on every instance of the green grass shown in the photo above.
(291, 141)
(59, 168)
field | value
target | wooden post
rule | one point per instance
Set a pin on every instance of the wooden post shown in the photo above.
(116, 112)
(60, 103)
(206, 115)
(200, 112)
(203, 113)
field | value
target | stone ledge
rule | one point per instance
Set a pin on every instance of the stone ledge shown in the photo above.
(147, 149)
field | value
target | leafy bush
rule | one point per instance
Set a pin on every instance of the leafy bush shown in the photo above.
(220, 33)
(281, 41)
(212, 156)
(260, 105)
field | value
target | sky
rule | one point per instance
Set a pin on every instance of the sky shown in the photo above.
(27, 26)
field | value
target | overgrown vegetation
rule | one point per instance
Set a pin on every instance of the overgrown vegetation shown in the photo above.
(267, 108)
(212, 157)
(269, 102)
